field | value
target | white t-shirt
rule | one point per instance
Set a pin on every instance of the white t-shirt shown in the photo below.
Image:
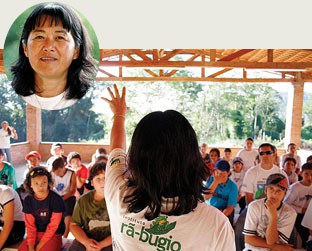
(307, 218)
(62, 184)
(238, 178)
(205, 228)
(255, 180)
(292, 178)
(8, 194)
(248, 157)
(297, 197)
(257, 220)
(5, 139)
(53, 103)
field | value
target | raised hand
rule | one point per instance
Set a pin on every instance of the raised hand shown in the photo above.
(117, 103)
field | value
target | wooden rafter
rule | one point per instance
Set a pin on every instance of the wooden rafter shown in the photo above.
(284, 62)
(236, 54)
(223, 64)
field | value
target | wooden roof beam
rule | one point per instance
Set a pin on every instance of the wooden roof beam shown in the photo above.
(141, 54)
(220, 72)
(107, 73)
(236, 54)
(270, 55)
(174, 71)
(155, 55)
(150, 72)
(199, 79)
(170, 54)
(221, 64)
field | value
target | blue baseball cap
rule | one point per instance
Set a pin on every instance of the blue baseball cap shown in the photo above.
(222, 165)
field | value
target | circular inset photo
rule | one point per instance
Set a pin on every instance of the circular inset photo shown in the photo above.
(51, 55)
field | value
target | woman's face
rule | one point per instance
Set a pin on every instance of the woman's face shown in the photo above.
(50, 50)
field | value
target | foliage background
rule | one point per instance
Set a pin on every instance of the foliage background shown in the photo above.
(222, 114)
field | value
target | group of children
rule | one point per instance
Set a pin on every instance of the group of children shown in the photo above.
(69, 196)
(63, 196)
(276, 206)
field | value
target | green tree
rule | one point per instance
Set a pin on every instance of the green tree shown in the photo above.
(13, 108)
(74, 124)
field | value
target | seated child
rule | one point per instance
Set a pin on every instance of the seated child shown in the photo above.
(237, 175)
(64, 181)
(74, 160)
(269, 221)
(43, 209)
(56, 150)
(298, 198)
(222, 191)
(11, 217)
(90, 222)
(101, 158)
(7, 172)
(33, 159)
(289, 166)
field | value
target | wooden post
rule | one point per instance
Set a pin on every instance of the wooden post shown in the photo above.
(33, 127)
(294, 114)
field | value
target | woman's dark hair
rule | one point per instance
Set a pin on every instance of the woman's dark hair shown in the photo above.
(1, 152)
(34, 172)
(82, 70)
(164, 161)
(97, 168)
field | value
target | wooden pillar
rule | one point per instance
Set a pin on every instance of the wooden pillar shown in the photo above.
(294, 114)
(33, 127)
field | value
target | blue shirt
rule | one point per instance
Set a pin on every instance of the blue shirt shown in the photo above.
(225, 194)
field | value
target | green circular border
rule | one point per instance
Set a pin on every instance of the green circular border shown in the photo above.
(12, 40)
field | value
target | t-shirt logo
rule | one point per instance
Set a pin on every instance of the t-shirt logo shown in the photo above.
(43, 213)
(260, 191)
(161, 226)
(60, 187)
(152, 236)
(115, 162)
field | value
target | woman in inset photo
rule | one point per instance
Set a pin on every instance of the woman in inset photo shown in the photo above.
(55, 66)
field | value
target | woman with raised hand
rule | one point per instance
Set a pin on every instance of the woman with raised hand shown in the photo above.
(154, 192)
